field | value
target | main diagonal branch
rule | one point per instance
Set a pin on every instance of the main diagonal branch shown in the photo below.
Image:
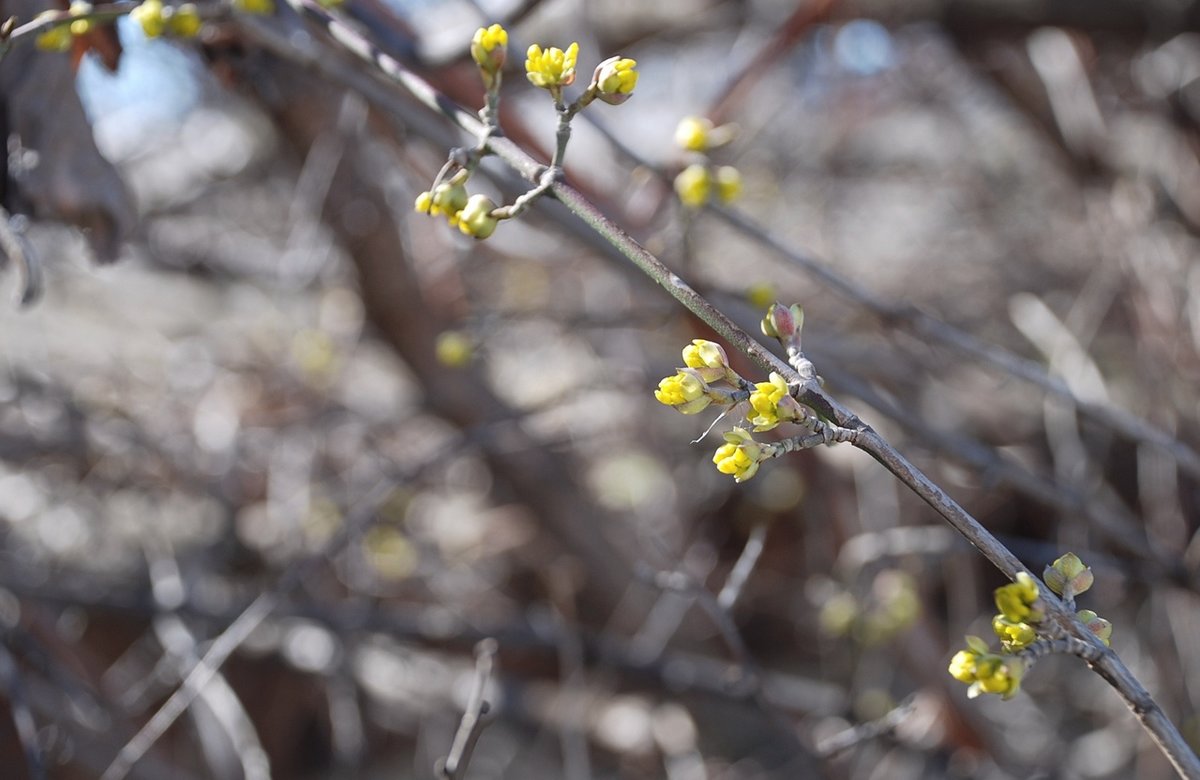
(1108, 665)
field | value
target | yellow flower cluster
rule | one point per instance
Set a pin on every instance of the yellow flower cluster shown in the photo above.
(472, 215)
(489, 49)
(700, 183)
(695, 185)
(1020, 601)
(689, 391)
(986, 672)
(771, 403)
(740, 455)
(552, 68)
(155, 19)
(1021, 609)
(61, 36)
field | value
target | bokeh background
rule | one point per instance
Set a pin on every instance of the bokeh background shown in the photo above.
(289, 386)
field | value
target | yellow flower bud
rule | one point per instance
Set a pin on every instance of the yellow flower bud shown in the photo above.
(760, 295)
(739, 455)
(729, 183)
(615, 79)
(999, 675)
(489, 49)
(448, 199)
(81, 26)
(476, 218)
(150, 16)
(258, 7)
(962, 666)
(1013, 635)
(694, 185)
(1019, 601)
(56, 38)
(453, 349)
(692, 133)
(685, 391)
(185, 22)
(708, 359)
(424, 202)
(765, 412)
(552, 68)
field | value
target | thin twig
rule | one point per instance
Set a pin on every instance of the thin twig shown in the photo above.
(21, 255)
(454, 765)
(232, 638)
(856, 735)
(740, 573)
(22, 716)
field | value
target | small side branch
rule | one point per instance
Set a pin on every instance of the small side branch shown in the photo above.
(454, 765)
(856, 735)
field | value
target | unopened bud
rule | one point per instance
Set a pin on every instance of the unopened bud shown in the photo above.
(1068, 576)
(1096, 624)
(782, 322)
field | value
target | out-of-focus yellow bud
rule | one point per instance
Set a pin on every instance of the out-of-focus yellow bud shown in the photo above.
(56, 38)
(81, 26)
(962, 666)
(448, 199)
(150, 16)
(692, 133)
(453, 349)
(693, 185)
(257, 7)
(1013, 635)
(729, 183)
(185, 22)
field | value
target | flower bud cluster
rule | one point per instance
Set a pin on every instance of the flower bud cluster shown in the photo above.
(471, 214)
(985, 671)
(156, 19)
(701, 182)
(61, 37)
(551, 69)
(1017, 625)
(693, 389)
(891, 606)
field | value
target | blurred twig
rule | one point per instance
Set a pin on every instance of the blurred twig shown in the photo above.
(18, 252)
(454, 765)
(26, 727)
(844, 740)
